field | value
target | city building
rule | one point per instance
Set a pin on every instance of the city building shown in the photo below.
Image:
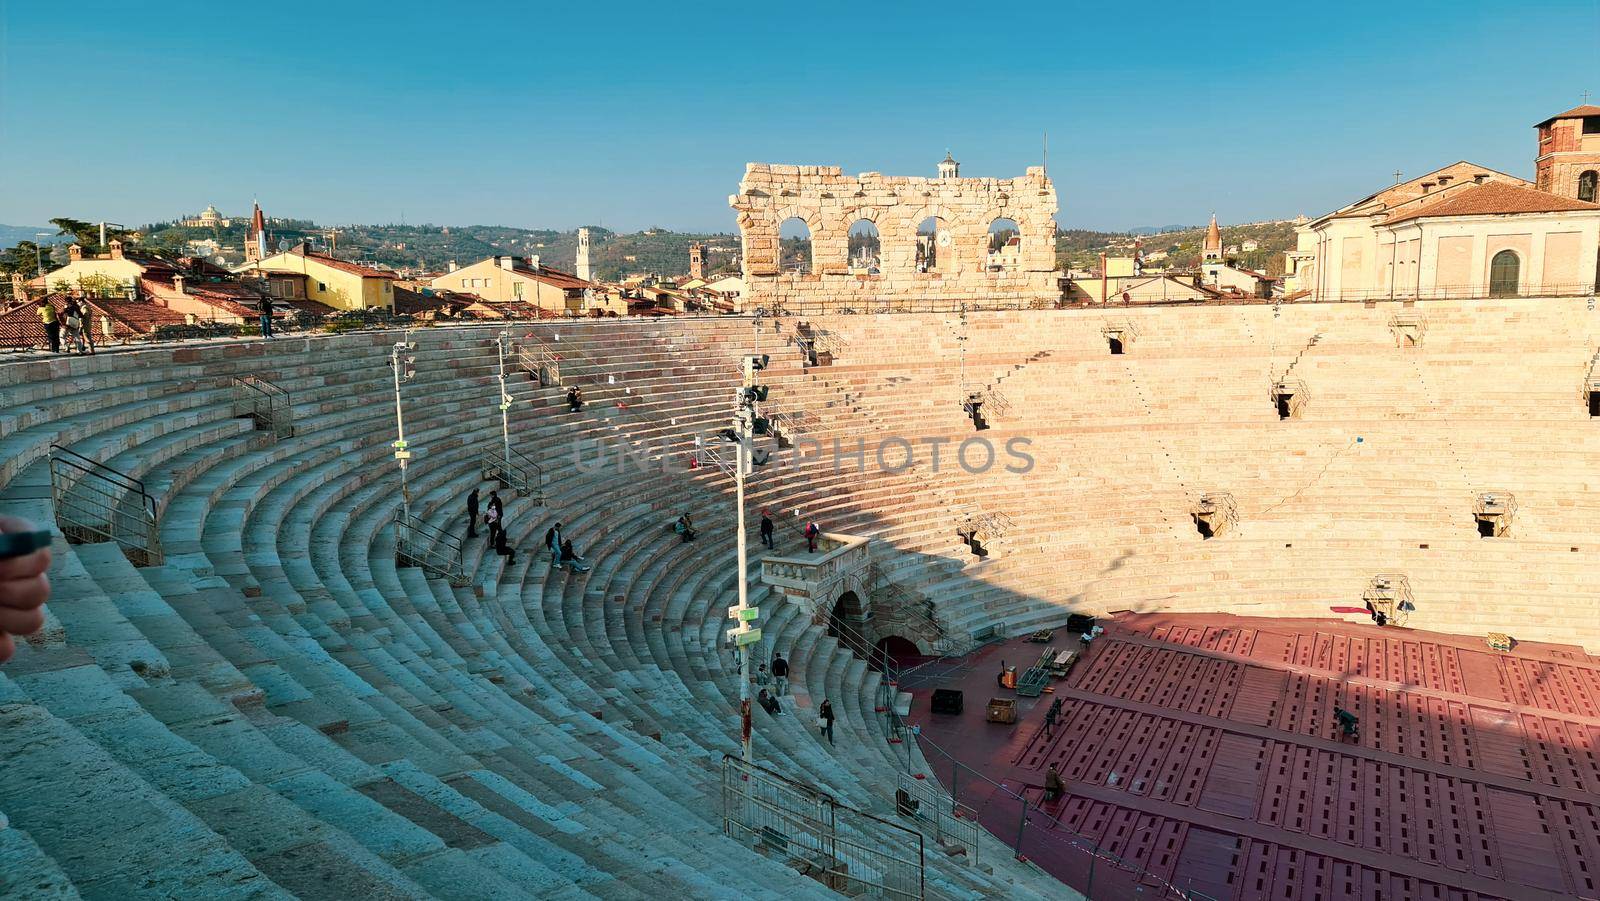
(504, 278)
(337, 283)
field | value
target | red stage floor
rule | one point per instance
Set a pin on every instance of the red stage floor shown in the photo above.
(1204, 749)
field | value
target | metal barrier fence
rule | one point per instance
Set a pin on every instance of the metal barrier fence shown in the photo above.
(1006, 810)
(95, 503)
(437, 552)
(266, 403)
(949, 826)
(851, 852)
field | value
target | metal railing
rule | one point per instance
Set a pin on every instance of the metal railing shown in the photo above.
(940, 817)
(95, 503)
(521, 474)
(534, 357)
(852, 637)
(434, 550)
(847, 850)
(897, 608)
(266, 403)
(1010, 815)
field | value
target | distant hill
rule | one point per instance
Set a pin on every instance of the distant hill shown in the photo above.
(1081, 249)
(11, 234)
(1158, 229)
(431, 248)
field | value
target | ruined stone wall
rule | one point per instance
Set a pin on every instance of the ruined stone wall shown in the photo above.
(830, 202)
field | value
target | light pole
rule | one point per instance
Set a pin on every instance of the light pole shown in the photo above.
(38, 258)
(745, 635)
(501, 342)
(403, 362)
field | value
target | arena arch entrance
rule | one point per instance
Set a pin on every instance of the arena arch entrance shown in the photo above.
(902, 651)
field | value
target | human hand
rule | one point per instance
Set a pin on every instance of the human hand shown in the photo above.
(24, 587)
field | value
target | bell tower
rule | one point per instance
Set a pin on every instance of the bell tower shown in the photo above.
(948, 167)
(583, 268)
(697, 260)
(1568, 158)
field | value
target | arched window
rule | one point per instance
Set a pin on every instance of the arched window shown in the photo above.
(794, 246)
(865, 249)
(1005, 246)
(1504, 270)
(932, 239)
(1586, 184)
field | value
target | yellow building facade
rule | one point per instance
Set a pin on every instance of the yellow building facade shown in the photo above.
(338, 283)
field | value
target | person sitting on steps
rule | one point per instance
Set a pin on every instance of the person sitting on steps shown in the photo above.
(685, 528)
(574, 399)
(571, 558)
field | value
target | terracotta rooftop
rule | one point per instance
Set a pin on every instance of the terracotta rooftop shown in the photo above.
(1493, 199)
(343, 265)
(553, 277)
(20, 325)
(1576, 112)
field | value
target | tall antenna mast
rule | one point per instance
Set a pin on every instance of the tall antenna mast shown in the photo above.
(1047, 151)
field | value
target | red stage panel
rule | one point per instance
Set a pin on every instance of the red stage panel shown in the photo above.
(1204, 751)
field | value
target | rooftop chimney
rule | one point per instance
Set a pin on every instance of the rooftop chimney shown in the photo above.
(177, 283)
(75, 252)
(1427, 187)
(533, 262)
(453, 266)
(116, 249)
(19, 286)
(507, 262)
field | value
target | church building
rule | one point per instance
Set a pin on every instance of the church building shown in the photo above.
(1465, 230)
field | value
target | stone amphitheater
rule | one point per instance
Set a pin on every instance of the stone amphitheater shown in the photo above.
(273, 707)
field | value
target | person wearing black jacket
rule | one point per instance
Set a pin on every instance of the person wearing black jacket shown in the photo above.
(472, 514)
(264, 307)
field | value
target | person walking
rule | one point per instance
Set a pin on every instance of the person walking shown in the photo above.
(825, 719)
(812, 533)
(766, 530)
(780, 674)
(52, 325)
(472, 513)
(1053, 787)
(264, 307)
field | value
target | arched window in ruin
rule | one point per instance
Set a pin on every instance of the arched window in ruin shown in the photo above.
(933, 242)
(1504, 271)
(1586, 185)
(1004, 250)
(866, 251)
(794, 246)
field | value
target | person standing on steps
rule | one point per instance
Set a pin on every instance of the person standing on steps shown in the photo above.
(780, 674)
(825, 719)
(264, 307)
(52, 325)
(813, 531)
(552, 540)
(495, 516)
(472, 513)
(766, 531)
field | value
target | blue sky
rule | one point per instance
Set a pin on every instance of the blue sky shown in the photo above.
(637, 114)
